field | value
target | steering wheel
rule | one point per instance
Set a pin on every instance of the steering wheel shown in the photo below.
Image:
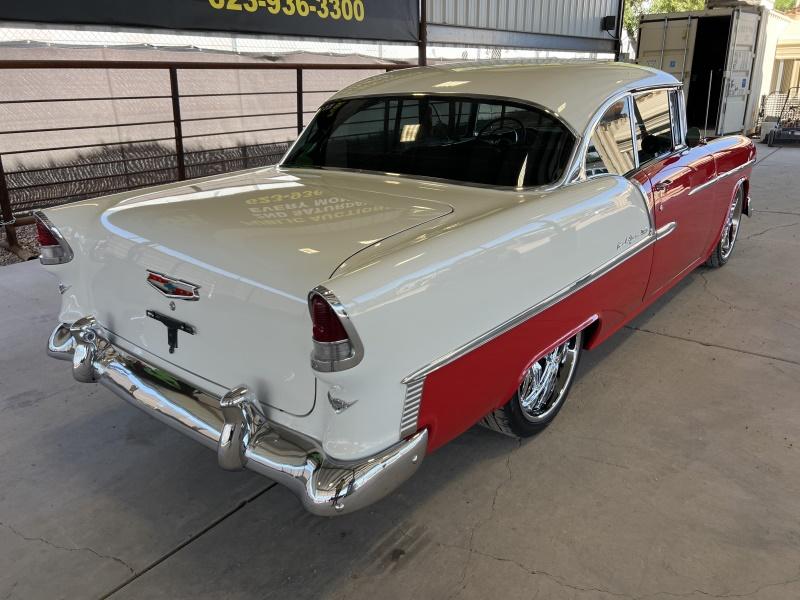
(495, 132)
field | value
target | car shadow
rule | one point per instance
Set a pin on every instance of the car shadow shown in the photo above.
(156, 471)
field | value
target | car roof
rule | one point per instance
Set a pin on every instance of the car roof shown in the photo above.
(572, 90)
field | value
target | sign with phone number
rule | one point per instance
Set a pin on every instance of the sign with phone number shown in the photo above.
(390, 20)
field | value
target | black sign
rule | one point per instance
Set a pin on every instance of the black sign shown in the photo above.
(391, 20)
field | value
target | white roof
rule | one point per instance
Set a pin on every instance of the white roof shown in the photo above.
(573, 90)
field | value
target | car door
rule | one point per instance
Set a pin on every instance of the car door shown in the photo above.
(673, 170)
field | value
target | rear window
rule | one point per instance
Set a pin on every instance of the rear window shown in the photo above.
(461, 139)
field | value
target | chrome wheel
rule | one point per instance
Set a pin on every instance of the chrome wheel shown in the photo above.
(731, 229)
(544, 385)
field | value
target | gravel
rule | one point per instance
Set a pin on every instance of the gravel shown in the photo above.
(27, 239)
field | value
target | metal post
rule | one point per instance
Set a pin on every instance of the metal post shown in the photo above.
(620, 27)
(708, 101)
(176, 117)
(686, 48)
(299, 101)
(423, 33)
(6, 214)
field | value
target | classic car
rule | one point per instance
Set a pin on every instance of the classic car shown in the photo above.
(434, 251)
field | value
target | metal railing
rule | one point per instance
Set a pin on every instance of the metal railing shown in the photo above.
(116, 166)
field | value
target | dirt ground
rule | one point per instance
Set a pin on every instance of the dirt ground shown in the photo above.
(27, 239)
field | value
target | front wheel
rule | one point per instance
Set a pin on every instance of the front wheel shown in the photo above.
(544, 388)
(730, 232)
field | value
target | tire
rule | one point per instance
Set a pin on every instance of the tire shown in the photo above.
(730, 232)
(541, 394)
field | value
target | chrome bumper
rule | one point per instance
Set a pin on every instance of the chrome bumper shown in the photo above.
(235, 427)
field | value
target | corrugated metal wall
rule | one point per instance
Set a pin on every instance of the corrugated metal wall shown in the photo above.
(574, 18)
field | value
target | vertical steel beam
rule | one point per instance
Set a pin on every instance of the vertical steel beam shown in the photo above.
(422, 59)
(299, 101)
(620, 27)
(176, 118)
(6, 214)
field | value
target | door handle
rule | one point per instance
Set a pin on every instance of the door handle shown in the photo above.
(662, 186)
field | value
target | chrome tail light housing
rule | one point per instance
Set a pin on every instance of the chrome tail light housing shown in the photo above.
(54, 248)
(336, 344)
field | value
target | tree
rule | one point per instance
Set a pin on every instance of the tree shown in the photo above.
(784, 5)
(634, 9)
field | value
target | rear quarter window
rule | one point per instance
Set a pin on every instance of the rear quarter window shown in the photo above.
(610, 148)
(653, 125)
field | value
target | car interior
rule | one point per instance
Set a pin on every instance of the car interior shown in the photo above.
(458, 139)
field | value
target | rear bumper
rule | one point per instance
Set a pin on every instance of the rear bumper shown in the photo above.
(235, 427)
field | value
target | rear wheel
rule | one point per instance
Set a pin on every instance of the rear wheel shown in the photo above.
(541, 394)
(730, 232)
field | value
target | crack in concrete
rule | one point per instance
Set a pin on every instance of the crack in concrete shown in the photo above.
(719, 346)
(11, 591)
(773, 228)
(535, 572)
(66, 548)
(763, 158)
(191, 539)
(790, 581)
(602, 462)
(713, 295)
(461, 586)
(777, 212)
(563, 582)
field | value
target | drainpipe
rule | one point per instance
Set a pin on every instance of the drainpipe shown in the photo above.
(423, 33)
(620, 27)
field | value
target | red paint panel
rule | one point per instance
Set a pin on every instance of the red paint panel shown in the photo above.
(459, 394)
(729, 153)
(671, 181)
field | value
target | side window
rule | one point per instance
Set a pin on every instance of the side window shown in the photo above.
(676, 102)
(611, 145)
(653, 125)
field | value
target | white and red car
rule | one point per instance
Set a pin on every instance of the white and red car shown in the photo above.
(434, 251)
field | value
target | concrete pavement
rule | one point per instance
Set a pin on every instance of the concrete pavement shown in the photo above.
(673, 470)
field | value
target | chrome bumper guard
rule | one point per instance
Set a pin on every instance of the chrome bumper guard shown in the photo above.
(235, 427)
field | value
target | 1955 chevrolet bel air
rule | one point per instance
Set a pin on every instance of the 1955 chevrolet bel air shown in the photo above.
(435, 251)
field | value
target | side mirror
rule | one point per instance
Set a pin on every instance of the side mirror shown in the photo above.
(693, 137)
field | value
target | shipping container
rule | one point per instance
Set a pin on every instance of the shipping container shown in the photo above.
(724, 55)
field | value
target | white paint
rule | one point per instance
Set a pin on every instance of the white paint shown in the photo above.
(450, 263)
(573, 90)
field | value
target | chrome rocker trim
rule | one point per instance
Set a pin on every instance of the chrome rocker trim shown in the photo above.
(235, 427)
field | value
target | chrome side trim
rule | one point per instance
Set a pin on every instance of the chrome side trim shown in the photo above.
(647, 199)
(411, 405)
(532, 311)
(357, 353)
(576, 172)
(235, 427)
(664, 231)
(716, 178)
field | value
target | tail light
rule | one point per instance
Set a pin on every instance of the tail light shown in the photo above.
(54, 248)
(336, 343)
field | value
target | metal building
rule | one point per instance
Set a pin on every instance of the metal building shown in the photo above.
(574, 25)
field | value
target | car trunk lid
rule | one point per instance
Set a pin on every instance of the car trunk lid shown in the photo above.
(253, 245)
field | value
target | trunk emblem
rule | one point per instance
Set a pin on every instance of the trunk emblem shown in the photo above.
(173, 288)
